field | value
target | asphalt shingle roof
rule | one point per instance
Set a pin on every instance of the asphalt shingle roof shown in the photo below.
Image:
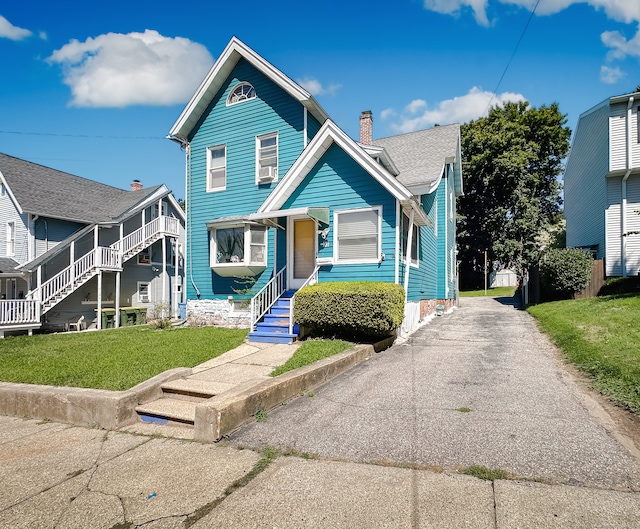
(7, 264)
(420, 156)
(48, 192)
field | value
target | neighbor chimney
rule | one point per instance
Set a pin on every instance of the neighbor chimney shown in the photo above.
(136, 185)
(366, 128)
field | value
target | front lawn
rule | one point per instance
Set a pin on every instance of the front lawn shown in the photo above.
(602, 337)
(115, 359)
(497, 292)
(311, 351)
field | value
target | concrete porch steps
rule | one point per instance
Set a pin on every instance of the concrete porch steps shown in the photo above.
(234, 371)
(166, 410)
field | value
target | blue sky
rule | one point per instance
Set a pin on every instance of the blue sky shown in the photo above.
(92, 88)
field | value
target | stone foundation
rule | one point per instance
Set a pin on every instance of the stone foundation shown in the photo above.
(218, 312)
(428, 306)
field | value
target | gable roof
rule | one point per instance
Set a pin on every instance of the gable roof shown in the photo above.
(330, 134)
(233, 52)
(40, 190)
(422, 155)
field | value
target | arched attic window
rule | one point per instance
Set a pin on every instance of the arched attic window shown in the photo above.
(242, 92)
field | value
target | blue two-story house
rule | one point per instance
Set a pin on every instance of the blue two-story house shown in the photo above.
(279, 197)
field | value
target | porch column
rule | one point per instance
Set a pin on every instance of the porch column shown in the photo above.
(99, 300)
(39, 281)
(407, 260)
(117, 315)
(176, 263)
(72, 259)
(163, 274)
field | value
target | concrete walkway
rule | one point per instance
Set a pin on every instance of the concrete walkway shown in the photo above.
(385, 443)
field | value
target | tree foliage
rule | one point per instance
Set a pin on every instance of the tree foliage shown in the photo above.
(511, 163)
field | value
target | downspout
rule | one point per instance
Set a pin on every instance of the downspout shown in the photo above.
(407, 262)
(33, 247)
(623, 205)
(187, 265)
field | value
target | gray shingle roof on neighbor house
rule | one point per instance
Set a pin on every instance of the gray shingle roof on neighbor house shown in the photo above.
(7, 265)
(48, 192)
(420, 156)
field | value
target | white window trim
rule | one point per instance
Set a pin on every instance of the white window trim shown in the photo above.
(403, 257)
(336, 226)
(11, 239)
(147, 252)
(258, 138)
(220, 188)
(138, 296)
(247, 247)
(235, 87)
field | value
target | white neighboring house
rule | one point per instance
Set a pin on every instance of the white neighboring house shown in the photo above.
(72, 249)
(602, 184)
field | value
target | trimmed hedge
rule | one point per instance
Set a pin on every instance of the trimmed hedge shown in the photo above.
(362, 308)
(565, 271)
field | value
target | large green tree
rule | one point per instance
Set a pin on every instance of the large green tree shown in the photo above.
(512, 160)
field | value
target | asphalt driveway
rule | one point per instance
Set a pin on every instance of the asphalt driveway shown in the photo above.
(480, 386)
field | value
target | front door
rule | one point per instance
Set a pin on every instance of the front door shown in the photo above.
(302, 251)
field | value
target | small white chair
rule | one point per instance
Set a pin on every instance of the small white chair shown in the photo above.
(76, 323)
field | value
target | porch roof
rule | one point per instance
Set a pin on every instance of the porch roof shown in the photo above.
(320, 214)
(7, 264)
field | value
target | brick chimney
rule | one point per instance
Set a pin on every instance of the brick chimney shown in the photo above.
(136, 185)
(366, 128)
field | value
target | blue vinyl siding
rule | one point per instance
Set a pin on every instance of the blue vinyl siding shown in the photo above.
(339, 183)
(237, 126)
(423, 279)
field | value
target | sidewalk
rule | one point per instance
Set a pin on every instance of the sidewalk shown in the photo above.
(55, 475)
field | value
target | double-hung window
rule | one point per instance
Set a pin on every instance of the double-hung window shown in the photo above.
(217, 168)
(267, 158)
(11, 239)
(405, 240)
(358, 235)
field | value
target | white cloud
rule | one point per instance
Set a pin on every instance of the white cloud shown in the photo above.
(118, 70)
(9, 31)
(388, 113)
(454, 7)
(611, 75)
(415, 106)
(620, 46)
(315, 88)
(620, 10)
(461, 109)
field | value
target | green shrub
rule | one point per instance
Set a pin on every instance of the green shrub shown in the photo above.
(564, 272)
(352, 309)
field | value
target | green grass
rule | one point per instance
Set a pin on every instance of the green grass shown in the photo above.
(497, 292)
(489, 474)
(111, 359)
(311, 351)
(602, 337)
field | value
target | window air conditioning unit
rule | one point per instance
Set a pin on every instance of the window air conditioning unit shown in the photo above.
(267, 174)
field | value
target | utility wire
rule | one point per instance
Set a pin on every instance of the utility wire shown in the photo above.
(495, 91)
(54, 134)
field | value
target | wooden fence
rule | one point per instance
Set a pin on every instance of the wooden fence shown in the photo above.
(596, 282)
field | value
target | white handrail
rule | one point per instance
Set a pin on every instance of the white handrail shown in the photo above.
(19, 311)
(267, 296)
(311, 280)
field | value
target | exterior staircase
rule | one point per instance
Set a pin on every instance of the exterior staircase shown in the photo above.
(177, 406)
(275, 326)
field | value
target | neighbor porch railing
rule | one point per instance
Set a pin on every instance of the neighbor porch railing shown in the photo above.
(19, 312)
(311, 280)
(267, 296)
(138, 238)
